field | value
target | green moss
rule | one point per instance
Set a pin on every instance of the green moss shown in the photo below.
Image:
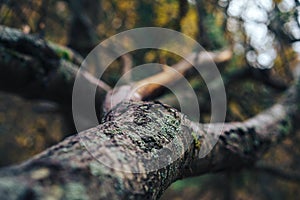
(61, 51)
(196, 141)
(170, 125)
(96, 169)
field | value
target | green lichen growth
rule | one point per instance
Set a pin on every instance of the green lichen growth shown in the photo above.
(196, 141)
(234, 136)
(285, 126)
(170, 125)
(75, 191)
(96, 169)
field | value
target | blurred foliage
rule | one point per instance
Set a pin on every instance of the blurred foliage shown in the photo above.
(263, 34)
(28, 127)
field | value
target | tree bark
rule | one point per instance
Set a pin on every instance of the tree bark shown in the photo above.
(100, 163)
(69, 170)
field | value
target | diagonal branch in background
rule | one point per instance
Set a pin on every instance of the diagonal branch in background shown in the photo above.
(145, 90)
(50, 70)
(150, 87)
(69, 166)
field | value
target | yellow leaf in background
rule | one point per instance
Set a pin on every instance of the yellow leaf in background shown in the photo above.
(189, 23)
(165, 12)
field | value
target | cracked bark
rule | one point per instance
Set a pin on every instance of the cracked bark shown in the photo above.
(69, 170)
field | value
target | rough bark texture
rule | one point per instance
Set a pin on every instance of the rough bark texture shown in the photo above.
(70, 170)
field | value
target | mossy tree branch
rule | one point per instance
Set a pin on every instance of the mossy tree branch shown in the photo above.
(35, 68)
(70, 170)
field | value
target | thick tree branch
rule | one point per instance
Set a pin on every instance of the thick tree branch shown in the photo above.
(72, 168)
(135, 128)
(34, 68)
(50, 70)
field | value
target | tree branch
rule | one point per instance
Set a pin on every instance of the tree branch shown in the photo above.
(150, 87)
(135, 128)
(34, 68)
(72, 168)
